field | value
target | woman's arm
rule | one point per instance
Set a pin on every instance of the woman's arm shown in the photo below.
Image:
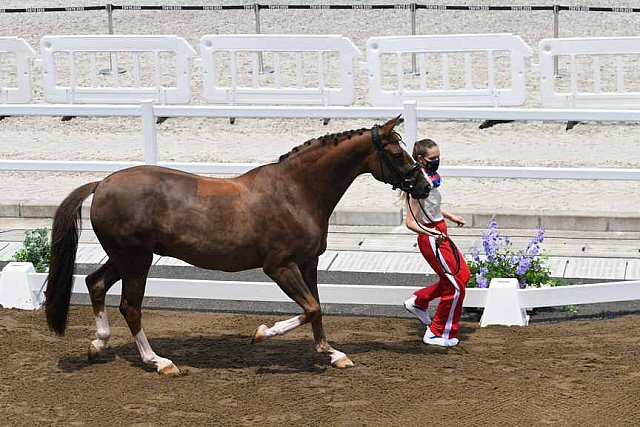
(413, 225)
(454, 218)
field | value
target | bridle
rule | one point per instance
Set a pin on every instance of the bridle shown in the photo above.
(407, 179)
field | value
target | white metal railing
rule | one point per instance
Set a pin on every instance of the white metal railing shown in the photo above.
(86, 69)
(438, 81)
(15, 54)
(307, 69)
(148, 112)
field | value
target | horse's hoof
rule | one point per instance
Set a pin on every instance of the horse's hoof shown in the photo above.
(169, 370)
(92, 353)
(260, 334)
(343, 363)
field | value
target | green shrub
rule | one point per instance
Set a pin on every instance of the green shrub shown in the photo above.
(35, 249)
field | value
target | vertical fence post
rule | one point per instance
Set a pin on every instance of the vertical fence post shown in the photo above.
(149, 133)
(556, 15)
(107, 71)
(410, 123)
(256, 11)
(110, 19)
(414, 68)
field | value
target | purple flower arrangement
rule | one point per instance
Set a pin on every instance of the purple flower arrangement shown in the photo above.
(500, 259)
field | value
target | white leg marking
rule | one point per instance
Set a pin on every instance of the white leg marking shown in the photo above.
(283, 326)
(336, 355)
(102, 331)
(147, 354)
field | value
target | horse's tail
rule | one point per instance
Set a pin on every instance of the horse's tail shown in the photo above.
(64, 244)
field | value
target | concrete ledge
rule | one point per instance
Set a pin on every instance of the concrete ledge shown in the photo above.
(624, 224)
(582, 223)
(367, 217)
(505, 220)
(10, 209)
(579, 221)
(37, 209)
(595, 221)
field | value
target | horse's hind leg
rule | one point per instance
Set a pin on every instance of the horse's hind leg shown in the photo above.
(338, 358)
(134, 277)
(98, 283)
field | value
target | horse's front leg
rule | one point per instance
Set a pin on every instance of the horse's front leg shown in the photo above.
(338, 358)
(290, 280)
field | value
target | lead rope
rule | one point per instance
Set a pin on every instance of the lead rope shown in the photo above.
(454, 248)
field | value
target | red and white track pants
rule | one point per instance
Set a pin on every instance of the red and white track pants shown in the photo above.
(450, 288)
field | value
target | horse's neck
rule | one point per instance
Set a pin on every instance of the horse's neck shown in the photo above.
(325, 174)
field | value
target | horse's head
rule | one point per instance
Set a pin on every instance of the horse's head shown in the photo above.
(393, 164)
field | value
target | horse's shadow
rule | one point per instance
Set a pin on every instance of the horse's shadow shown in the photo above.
(279, 355)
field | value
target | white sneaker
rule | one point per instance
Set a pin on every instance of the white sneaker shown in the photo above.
(432, 339)
(417, 311)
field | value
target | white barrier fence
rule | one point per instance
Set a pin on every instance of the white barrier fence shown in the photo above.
(600, 82)
(503, 302)
(75, 60)
(451, 88)
(452, 70)
(309, 61)
(16, 87)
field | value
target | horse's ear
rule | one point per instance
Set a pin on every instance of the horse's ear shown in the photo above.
(392, 123)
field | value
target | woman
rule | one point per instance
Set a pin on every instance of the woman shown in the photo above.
(426, 218)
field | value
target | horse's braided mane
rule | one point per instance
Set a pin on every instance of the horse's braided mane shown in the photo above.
(334, 138)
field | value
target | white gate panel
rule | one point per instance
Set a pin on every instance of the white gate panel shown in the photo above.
(16, 56)
(611, 85)
(432, 56)
(116, 69)
(253, 69)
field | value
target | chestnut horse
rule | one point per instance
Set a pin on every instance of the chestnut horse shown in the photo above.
(275, 216)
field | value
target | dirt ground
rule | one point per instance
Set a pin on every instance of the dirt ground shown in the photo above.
(569, 373)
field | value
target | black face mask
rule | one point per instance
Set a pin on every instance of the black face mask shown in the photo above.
(432, 165)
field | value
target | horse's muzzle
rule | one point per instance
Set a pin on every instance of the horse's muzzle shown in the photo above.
(420, 190)
(414, 182)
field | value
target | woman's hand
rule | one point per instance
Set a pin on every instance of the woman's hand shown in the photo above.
(458, 220)
(440, 238)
